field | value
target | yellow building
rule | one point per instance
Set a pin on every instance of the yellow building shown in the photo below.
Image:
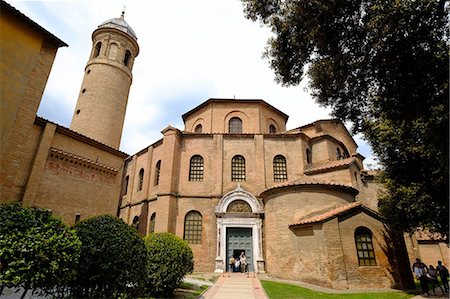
(298, 202)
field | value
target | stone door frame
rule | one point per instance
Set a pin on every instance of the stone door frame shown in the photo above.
(232, 220)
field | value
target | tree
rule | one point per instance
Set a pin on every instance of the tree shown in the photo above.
(113, 259)
(169, 260)
(37, 251)
(383, 66)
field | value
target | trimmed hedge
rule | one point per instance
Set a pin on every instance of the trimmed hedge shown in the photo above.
(113, 259)
(169, 260)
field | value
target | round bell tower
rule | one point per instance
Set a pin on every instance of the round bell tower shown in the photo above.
(102, 102)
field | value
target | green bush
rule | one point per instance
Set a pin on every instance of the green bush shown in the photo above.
(37, 251)
(169, 260)
(113, 259)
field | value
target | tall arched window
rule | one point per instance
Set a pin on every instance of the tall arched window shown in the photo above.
(339, 155)
(157, 171)
(141, 179)
(364, 247)
(198, 128)
(152, 224)
(272, 129)
(193, 227)
(136, 222)
(98, 46)
(238, 168)
(127, 181)
(279, 169)
(127, 57)
(235, 126)
(196, 168)
(308, 156)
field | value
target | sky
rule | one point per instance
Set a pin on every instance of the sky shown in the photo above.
(190, 51)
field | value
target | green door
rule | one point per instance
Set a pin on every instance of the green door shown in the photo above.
(238, 240)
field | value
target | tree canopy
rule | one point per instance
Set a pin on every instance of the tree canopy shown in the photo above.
(383, 66)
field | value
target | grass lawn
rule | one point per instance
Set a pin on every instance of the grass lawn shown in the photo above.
(276, 290)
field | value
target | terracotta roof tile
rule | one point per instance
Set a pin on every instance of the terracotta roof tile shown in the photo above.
(330, 165)
(327, 215)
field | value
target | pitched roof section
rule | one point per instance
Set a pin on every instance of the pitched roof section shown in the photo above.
(310, 181)
(214, 100)
(333, 165)
(333, 213)
(7, 7)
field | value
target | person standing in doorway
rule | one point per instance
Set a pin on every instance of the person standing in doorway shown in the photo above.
(232, 262)
(243, 260)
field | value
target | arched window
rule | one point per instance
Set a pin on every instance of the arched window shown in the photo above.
(364, 247)
(193, 227)
(198, 128)
(98, 46)
(339, 155)
(136, 222)
(238, 168)
(235, 126)
(127, 57)
(127, 181)
(196, 168)
(308, 156)
(272, 129)
(279, 169)
(157, 171)
(152, 224)
(141, 179)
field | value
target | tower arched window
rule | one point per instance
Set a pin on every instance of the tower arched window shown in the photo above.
(152, 224)
(193, 227)
(98, 47)
(238, 168)
(279, 168)
(198, 128)
(364, 247)
(196, 168)
(308, 156)
(127, 181)
(272, 129)
(235, 125)
(141, 179)
(157, 172)
(126, 59)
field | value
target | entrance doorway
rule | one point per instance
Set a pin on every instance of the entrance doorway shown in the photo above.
(240, 240)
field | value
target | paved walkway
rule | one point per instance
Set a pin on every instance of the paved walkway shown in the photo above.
(237, 285)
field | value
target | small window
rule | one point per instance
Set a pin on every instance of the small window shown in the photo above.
(152, 224)
(98, 46)
(157, 171)
(339, 155)
(238, 169)
(235, 126)
(279, 169)
(193, 227)
(127, 57)
(198, 129)
(196, 168)
(141, 179)
(136, 222)
(364, 247)
(272, 129)
(308, 156)
(127, 181)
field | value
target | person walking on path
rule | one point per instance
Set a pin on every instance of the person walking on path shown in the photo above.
(420, 271)
(432, 275)
(443, 274)
(232, 262)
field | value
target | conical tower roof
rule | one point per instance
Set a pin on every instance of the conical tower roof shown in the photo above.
(120, 24)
